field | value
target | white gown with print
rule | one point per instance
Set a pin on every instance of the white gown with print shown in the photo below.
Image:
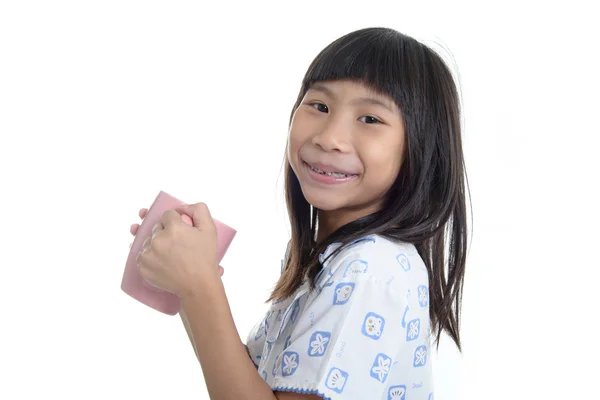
(364, 333)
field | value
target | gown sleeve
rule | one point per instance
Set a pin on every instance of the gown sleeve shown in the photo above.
(350, 339)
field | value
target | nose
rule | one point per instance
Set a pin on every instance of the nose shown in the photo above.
(333, 135)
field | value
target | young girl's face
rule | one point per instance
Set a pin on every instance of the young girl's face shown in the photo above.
(345, 145)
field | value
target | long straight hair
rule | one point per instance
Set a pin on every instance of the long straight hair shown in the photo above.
(426, 204)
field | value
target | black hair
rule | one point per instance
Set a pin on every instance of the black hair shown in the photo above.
(426, 204)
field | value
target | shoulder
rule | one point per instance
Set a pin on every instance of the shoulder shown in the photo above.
(375, 257)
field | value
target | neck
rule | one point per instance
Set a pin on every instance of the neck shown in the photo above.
(330, 221)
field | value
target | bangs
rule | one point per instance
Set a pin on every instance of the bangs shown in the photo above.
(372, 57)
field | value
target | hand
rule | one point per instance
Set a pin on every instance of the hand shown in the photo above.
(134, 228)
(180, 258)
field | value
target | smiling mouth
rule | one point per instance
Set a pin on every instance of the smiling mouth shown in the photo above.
(338, 175)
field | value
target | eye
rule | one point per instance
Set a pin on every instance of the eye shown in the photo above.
(369, 120)
(320, 106)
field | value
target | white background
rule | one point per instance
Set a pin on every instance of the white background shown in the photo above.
(104, 103)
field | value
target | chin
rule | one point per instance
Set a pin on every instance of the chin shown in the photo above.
(322, 201)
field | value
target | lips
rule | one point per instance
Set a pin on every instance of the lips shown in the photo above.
(330, 170)
(329, 179)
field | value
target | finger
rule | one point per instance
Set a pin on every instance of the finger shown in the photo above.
(169, 218)
(141, 266)
(147, 244)
(221, 271)
(134, 228)
(187, 219)
(199, 213)
(138, 260)
(157, 228)
(142, 213)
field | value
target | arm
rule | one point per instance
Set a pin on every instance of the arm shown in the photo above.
(186, 325)
(228, 371)
(188, 330)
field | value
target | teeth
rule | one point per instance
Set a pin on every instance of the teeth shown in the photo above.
(332, 174)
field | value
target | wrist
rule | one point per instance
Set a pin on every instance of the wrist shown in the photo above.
(206, 289)
(199, 284)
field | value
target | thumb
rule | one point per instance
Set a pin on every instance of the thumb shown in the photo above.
(199, 213)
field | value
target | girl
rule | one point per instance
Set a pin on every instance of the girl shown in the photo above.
(373, 273)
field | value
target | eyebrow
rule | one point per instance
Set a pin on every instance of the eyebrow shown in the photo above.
(363, 100)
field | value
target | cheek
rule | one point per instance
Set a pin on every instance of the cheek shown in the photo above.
(382, 164)
(300, 126)
(297, 136)
(293, 145)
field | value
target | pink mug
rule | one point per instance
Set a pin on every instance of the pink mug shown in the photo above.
(140, 289)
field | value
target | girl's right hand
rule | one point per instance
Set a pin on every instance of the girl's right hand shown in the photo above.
(134, 228)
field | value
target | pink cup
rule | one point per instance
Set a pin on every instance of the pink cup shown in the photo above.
(140, 289)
